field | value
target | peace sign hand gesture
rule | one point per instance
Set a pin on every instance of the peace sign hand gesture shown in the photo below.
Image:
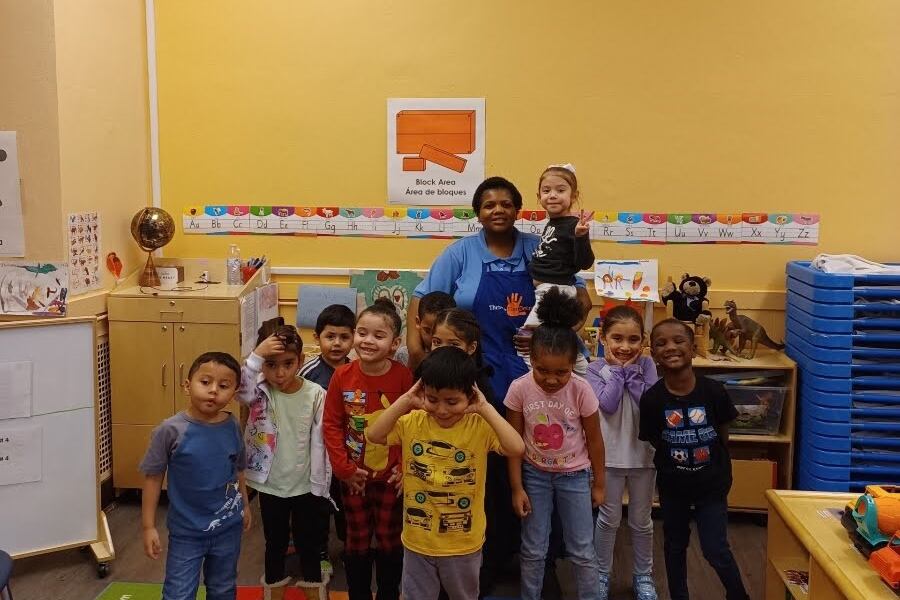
(583, 227)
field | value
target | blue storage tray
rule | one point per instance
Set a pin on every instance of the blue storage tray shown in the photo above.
(815, 366)
(854, 458)
(848, 429)
(852, 415)
(812, 374)
(842, 296)
(840, 355)
(841, 311)
(844, 340)
(807, 481)
(863, 399)
(826, 325)
(801, 270)
(889, 472)
(845, 443)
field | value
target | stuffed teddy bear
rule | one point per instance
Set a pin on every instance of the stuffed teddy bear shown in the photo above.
(689, 301)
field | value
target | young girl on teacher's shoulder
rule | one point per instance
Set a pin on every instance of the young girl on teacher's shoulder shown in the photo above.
(619, 379)
(685, 417)
(286, 460)
(446, 429)
(556, 412)
(565, 247)
(358, 394)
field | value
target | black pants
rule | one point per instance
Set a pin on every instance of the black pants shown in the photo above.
(502, 535)
(306, 518)
(711, 515)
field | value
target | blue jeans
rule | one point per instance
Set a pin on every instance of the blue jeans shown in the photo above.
(218, 555)
(711, 515)
(572, 494)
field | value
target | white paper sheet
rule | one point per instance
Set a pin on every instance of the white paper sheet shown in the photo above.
(15, 390)
(12, 228)
(627, 279)
(248, 324)
(21, 450)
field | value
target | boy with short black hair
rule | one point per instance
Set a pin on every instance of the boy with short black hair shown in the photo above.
(685, 417)
(334, 334)
(444, 446)
(202, 452)
(429, 306)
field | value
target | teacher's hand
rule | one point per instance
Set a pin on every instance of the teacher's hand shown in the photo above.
(523, 344)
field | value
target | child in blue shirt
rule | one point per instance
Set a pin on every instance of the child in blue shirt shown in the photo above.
(202, 451)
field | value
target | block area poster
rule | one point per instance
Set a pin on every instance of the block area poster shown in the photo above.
(435, 150)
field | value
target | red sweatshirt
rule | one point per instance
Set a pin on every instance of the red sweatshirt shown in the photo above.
(353, 402)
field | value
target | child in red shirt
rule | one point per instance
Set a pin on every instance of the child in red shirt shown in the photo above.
(358, 394)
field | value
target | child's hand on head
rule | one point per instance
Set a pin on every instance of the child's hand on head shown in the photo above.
(610, 358)
(521, 503)
(414, 396)
(357, 482)
(478, 402)
(584, 223)
(270, 346)
(152, 547)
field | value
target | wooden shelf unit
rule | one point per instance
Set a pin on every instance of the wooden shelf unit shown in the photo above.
(154, 336)
(754, 456)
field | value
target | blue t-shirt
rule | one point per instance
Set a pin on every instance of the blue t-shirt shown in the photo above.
(457, 271)
(203, 461)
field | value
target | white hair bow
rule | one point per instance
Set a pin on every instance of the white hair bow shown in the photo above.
(568, 167)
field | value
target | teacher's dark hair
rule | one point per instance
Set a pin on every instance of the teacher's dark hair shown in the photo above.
(496, 183)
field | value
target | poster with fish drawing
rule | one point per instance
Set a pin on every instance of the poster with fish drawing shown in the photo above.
(627, 279)
(84, 252)
(33, 289)
(396, 286)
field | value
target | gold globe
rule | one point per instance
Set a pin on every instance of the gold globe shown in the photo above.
(152, 228)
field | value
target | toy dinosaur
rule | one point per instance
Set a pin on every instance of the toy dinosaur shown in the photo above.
(750, 331)
(721, 337)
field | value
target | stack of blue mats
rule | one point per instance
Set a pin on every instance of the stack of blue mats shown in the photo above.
(844, 333)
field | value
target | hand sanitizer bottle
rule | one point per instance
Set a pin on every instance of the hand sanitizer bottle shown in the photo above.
(233, 265)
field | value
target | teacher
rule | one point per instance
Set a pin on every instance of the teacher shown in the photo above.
(487, 274)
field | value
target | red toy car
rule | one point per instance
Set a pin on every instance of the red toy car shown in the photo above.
(886, 562)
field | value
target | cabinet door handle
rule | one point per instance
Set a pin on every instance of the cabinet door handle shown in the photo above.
(181, 328)
(180, 372)
(163, 375)
(165, 327)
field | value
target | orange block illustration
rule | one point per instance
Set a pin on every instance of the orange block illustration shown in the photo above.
(411, 163)
(445, 159)
(450, 130)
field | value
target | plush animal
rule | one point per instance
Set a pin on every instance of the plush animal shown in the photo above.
(750, 331)
(689, 301)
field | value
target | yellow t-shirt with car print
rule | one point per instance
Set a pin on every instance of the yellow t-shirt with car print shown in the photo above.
(443, 482)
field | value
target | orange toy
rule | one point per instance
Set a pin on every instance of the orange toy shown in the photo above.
(887, 499)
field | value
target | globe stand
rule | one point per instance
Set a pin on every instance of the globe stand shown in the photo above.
(149, 277)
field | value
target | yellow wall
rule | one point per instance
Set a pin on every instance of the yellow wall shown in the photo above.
(28, 106)
(707, 105)
(74, 81)
(104, 140)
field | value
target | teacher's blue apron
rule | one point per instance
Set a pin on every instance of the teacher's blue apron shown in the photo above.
(499, 294)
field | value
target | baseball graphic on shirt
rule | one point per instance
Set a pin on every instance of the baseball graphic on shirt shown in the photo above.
(697, 415)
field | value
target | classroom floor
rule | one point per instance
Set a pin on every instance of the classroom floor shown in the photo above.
(71, 575)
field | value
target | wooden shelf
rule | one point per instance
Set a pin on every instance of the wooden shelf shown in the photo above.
(779, 438)
(783, 564)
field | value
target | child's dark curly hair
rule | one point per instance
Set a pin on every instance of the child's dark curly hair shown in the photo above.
(558, 313)
(384, 308)
(289, 335)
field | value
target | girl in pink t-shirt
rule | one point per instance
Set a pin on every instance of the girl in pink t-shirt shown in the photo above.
(556, 413)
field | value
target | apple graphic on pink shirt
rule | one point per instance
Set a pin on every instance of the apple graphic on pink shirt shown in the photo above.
(548, 435)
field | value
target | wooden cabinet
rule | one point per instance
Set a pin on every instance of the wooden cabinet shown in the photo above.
(760, 462)
(154, 339)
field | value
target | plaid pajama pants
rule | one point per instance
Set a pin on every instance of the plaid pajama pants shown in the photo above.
(379, 511)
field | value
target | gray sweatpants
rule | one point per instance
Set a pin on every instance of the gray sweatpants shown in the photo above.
(424, 575)
(640, 484)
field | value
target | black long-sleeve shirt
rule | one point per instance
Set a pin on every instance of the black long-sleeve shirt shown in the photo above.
(561, 254)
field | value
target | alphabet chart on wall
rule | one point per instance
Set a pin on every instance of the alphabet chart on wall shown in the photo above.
(455, 222)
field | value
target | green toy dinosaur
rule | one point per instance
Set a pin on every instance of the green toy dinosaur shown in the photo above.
(750, 331)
